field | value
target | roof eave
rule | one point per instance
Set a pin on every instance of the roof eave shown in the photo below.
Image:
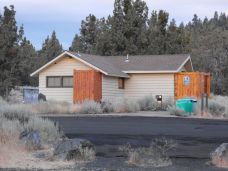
(72, 55)
(151, 72)
(47, 64)
(182, 65)
(115, 75)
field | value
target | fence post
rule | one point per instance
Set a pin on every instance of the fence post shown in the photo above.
(206, 95)
(202, 104)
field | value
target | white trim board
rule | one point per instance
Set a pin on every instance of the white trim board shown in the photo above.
(62, 55)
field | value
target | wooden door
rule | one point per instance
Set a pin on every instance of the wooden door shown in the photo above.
(87, 85)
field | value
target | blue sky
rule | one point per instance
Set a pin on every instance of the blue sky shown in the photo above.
(41, 17)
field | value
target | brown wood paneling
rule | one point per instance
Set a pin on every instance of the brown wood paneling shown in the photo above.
(87, 85)
(199, 83)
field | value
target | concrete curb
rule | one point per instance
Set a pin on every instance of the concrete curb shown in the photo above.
(141, 114)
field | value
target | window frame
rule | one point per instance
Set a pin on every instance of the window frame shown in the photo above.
(67, 86)
(121, 83)
(61, 81)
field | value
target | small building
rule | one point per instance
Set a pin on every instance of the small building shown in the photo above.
(74, 77)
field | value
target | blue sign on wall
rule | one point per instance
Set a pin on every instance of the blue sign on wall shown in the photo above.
(186, 80)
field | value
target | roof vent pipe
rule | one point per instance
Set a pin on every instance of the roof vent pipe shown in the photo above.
(78, 54)
(127, 58)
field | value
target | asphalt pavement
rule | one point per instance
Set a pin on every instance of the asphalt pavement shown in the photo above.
(181, 128)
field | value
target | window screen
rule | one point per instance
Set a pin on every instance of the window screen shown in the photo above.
(67, 81)
(54, 81)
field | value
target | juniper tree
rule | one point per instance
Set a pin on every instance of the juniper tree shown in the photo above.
(9, 37)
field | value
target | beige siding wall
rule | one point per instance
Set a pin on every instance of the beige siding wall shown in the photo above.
(140, 85)
(64, 67)
(110, 88)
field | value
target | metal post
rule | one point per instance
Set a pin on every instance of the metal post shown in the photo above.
(206, 95)
(202, 104)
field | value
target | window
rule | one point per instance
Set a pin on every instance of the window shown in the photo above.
(67, 81)
(59, 81)
(54, 81)
(121, 83)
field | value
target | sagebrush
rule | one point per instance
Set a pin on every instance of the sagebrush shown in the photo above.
(90, 107)
(148, 103)
(16, 118)
(122, 105)
(176, 112)
(218, 105)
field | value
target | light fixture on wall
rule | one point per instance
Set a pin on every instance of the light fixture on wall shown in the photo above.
(159, 99)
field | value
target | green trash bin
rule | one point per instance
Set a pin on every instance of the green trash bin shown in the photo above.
(185, 104)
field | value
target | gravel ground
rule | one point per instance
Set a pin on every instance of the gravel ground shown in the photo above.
(119, 164)
(189, 156)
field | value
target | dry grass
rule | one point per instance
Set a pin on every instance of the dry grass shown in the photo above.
(85, 154)
(9, 129)
(54, 107)
(17, 157)
(10, 151)
(154, 156)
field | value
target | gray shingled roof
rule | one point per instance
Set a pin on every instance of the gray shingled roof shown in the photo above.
(115, 65)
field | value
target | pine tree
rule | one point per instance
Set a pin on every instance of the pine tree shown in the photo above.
(50, 49)
(8, 49)
(153, 31)
(117, 29)
(157, 32)
(141, 20)
(77, 44)
(104, 44)
(27, 63)
(89, 34)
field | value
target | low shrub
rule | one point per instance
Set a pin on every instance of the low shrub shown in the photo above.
(20, 112)
(107, 106)
(131, 106)
(15, 95)
(148, 103)
(218, 105)
(154, 156)
(216, 109)
(176, 112)
(16, 118)
(87, 154)
(122, 105)
(119, 105)
(90, 107)
(49, 132)
(82, 154)
(2, 102)
(167, 103)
